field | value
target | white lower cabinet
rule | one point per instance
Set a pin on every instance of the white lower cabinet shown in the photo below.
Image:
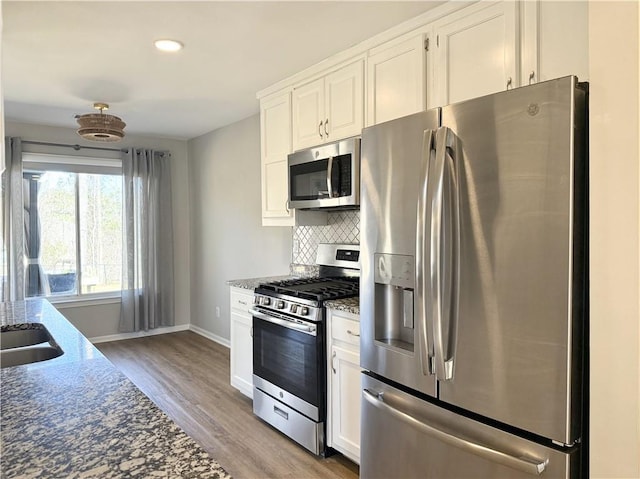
(343, 418)
(241, 341)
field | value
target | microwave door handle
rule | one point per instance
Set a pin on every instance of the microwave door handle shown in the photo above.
(424, 320)
(329, 177)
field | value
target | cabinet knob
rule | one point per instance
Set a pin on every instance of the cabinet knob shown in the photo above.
(332, 366)
(509, 83)
(319, 129)
(326, 123)
(532, 75)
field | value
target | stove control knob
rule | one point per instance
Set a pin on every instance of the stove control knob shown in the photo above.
(266, 301)
(280, 304)
(304, 311)
(256, 300)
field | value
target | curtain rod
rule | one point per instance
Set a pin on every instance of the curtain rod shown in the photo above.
(75, 147)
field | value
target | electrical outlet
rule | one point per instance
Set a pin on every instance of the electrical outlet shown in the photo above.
(217, 311)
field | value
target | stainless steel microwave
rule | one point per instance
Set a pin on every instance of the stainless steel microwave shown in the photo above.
(326, 176)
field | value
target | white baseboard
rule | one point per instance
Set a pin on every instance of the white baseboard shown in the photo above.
(213, 337)
(138, 334)
(171, 329)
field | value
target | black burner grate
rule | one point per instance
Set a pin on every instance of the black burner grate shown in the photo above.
(316, 289)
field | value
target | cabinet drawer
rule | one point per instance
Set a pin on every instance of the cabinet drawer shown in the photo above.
(344, 329)
(241, 300)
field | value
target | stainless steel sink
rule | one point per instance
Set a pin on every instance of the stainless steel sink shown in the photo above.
(16, 357)
(25, 344)
(16, 338)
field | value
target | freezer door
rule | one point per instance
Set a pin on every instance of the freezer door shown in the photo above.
(406, 437)
(521, 281)
(394, 340)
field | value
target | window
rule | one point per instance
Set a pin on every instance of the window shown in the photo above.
(73, 226)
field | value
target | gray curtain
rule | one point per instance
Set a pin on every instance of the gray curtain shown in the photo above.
(13, 275)
(148, 285)
(35, 280)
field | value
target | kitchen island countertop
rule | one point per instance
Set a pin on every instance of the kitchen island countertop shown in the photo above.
(77, 416)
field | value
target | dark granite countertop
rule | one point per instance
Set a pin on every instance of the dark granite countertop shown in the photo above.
(295, 271)
(77, 416)
(252, 283)
(350, 305)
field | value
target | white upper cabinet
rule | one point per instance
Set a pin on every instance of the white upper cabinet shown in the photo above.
(275, 140)
(275, 125)
(396, 80)
(476, 52)
(554, 40)
(329, 108)
(344, 102)
(308, 114)
(449, 54)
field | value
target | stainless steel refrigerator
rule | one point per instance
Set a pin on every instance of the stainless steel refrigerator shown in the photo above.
(473, 298)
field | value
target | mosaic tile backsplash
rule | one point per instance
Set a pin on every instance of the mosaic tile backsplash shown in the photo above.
(342, 227)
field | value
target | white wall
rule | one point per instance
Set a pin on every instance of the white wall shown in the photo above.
(227, 239)
(615, 246)
(102, 320)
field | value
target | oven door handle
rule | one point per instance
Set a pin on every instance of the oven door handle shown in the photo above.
(286, 323)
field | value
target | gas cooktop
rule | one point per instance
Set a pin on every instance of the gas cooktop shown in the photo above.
(314, 289)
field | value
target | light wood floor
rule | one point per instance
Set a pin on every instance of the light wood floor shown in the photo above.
(187, 376)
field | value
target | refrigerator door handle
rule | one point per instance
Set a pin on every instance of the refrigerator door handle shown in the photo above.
(444, 227)
(425, 328)
(528, 465)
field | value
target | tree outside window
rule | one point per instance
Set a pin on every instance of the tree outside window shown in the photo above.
(73, 232)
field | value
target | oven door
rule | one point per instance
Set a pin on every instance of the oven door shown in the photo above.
(289, 355)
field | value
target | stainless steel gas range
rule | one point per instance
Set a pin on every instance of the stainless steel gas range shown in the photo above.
(289, 345)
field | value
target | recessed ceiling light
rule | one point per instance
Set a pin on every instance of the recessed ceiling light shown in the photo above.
(167, 45)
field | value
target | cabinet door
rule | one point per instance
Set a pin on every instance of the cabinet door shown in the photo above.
(345, 402)
(554, 39)
(308, 115)
(241, 353)
(275, 179)
(396, 80)
(275, 128)
(344, 102)
(475, 52)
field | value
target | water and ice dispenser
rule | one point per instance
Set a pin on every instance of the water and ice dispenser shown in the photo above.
(394, 300)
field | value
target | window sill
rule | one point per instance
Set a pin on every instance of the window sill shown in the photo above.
(86, 300)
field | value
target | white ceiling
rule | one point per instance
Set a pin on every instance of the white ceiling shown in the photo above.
(59, 57)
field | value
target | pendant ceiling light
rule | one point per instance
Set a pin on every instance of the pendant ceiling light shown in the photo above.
(100, 126)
